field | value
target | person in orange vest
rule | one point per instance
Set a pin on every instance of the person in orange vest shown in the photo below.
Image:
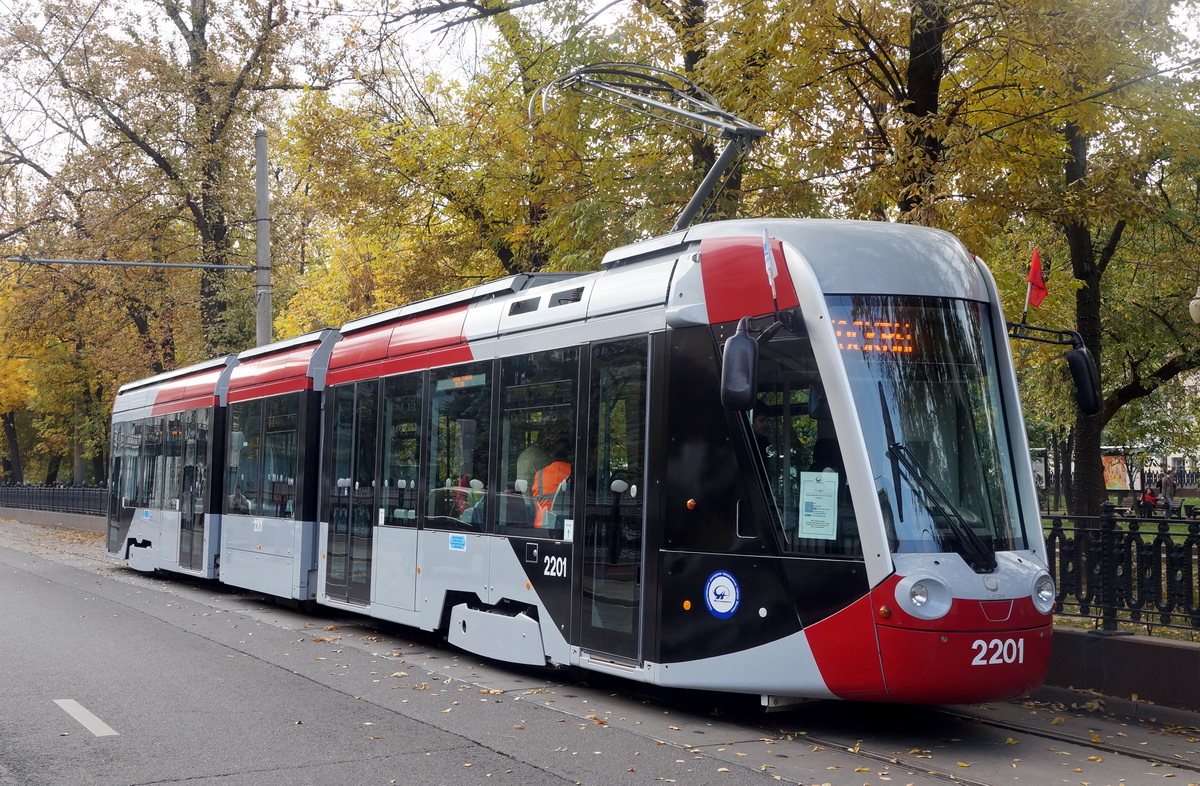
(547, 480)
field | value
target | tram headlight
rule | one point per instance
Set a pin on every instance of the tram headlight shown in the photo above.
(1044, 593)
(924, 597)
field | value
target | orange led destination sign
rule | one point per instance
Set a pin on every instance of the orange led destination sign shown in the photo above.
(864, 336)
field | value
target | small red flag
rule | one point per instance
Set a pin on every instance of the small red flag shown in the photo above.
(1037, 283)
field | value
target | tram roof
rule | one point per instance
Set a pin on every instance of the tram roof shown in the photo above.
(191, 387)
(287, 366)
(902, 259)
(490, 289)
(178, 374)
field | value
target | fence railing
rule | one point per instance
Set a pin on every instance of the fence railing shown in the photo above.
(1126, 570)
(61, 499)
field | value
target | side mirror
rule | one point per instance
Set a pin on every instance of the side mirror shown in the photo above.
(739, 370)
(1087, 380)
(1083, 366)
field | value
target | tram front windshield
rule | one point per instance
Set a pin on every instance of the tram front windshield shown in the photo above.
(923, 375)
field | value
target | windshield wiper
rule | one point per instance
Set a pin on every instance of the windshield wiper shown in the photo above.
(891, 438)
(980, 556)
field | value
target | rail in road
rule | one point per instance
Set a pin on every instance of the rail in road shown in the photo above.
(349, 700)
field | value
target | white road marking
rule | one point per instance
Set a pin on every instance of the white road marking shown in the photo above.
(89, 721)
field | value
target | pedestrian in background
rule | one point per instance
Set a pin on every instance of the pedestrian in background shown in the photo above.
(1168, 492)
(1149, 500)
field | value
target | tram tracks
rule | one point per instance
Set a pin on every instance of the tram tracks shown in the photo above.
(928, 751)
(917, 763)
(925, 768)
(1093, 740)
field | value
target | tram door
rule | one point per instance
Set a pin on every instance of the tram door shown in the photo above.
(192, 495)
(611, 597)
(350, 474)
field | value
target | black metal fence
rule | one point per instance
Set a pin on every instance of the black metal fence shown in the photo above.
(61, 499)
(1110, 569)
(1126, 570)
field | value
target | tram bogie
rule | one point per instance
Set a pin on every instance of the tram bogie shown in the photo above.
(777, 457)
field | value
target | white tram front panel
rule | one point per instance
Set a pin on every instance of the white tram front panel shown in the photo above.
(163, 509)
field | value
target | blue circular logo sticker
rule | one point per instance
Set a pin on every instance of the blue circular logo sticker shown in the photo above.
(721, 594)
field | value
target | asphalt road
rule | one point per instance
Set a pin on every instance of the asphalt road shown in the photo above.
(116, 677)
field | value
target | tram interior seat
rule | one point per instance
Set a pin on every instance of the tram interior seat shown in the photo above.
(516, 510)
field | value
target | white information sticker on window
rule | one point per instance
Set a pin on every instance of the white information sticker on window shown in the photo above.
(818, 505)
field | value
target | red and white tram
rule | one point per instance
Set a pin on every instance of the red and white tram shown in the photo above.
(782, 457)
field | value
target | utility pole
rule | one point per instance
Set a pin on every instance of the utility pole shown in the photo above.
(262, 243)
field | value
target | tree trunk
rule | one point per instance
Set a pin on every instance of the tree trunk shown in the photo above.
(926, 66)
(52, 469)
(16, 474)
(1088, 478)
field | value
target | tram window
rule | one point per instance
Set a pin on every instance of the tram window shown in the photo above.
(195, 457)
(201, 426)
(281, 446)
(127, 448)
(366, 416)
(401, 450)
(335, 472)
(537, 451)
(459, 440)
(152, 464)
(245, 460)
(798, 449)
(934, 422)
(173, 462)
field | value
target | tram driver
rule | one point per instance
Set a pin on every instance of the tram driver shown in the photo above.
(549, 481)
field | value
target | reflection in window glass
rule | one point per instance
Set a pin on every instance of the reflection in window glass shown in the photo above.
(152, 464)
(173, 464)
(281, 446)
(195, 456)
(922, 373)
(459, 420)
(122, 481)
(128, 441)
(245, 457)
(340, 432)
(402, 443)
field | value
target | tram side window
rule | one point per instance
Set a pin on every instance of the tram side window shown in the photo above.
(195, 457)
(401, 450)
(245, 440)
(173, 464)
(366, 424)
(537, 449)
(281, 446)
(798, 448)
(459, 440)
(152, 463)
(127, 449)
